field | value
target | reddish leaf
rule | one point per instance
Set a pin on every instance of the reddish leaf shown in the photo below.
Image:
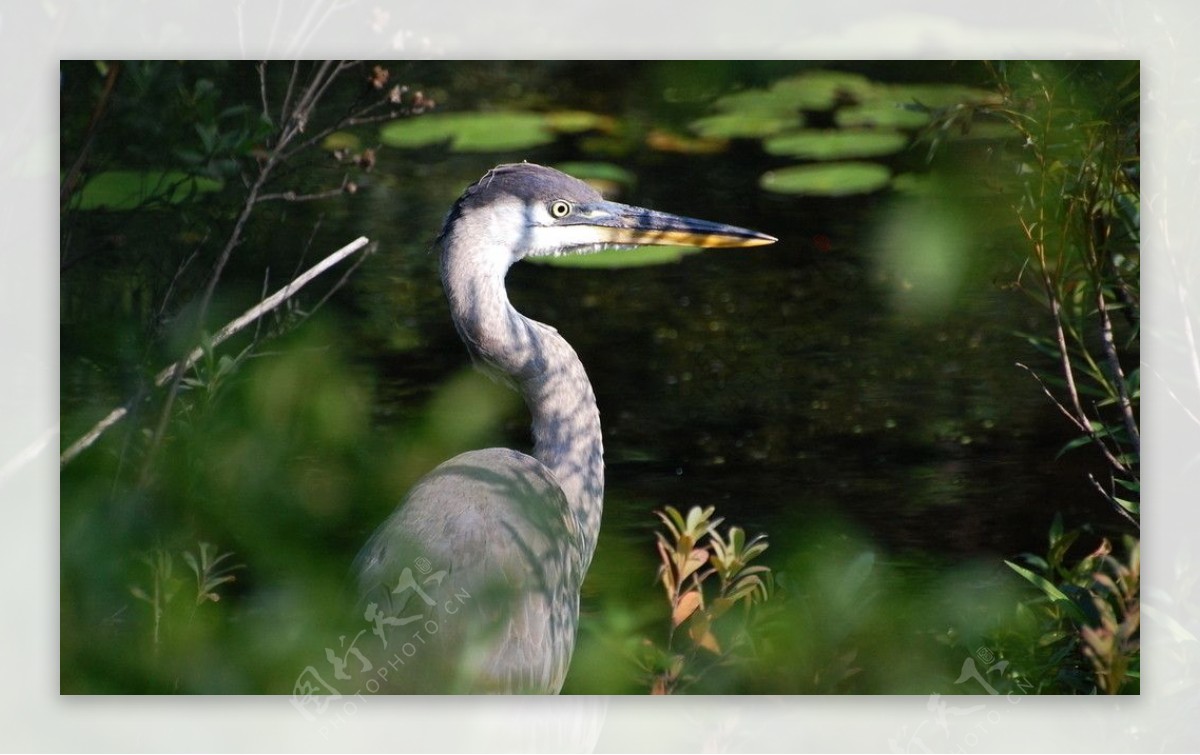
(688, 603)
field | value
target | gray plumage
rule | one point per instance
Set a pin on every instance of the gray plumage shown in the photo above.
(513, 532)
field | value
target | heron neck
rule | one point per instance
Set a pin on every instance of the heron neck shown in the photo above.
(553, 382)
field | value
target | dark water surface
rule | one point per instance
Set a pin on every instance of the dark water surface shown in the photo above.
(780, 384)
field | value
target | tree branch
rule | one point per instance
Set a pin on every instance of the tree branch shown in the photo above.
(230, 329)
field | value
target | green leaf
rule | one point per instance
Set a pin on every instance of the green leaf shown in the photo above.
(1059, 547)
(1056, 528)
(1057, 596)
(130, 189)
(1133, 507)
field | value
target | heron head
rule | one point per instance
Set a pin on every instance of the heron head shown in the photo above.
(520, 209)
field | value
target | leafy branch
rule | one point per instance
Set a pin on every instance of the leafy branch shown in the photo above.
(692, 552)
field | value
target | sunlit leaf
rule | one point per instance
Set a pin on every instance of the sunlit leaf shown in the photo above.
(701, 634)
(688, 604)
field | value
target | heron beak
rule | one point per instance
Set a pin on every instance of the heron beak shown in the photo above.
(622, 224)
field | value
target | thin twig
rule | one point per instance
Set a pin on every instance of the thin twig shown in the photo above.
(178, 272)
(341, 282)
(284, 112)
(1113, 502)
(1082, 424)
(291, 196)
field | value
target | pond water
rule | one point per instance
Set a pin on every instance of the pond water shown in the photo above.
(862, 371)
(781, 384)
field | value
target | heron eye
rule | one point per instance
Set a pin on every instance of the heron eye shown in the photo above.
(560, 209)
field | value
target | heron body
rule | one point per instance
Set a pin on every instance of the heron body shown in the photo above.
(496, 542)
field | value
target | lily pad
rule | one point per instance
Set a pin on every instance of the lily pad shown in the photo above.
(937, 95)
(642, 256)
(341, 140)
(836, 145)
(886, 114)
(822, 90)
(760, 101)
(746, 125)
(830, 180)
(470, 132)
(130, 189)
(812, 90)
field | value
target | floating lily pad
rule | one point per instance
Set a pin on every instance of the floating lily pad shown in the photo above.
(886, 114)
(129, 189)
(761, 101)
(812, 90)
(937, 95)
(642, 256)
(470, 132)
(830, 180)
(822, 90)
(341, 140)
(836, 145)
(746, 125)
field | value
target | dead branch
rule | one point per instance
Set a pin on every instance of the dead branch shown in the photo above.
(230, 329)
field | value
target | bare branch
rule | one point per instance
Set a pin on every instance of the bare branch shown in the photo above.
(1112, 500)
(1081, 421)
(1114, 364)
(291, 196)
(221, 336)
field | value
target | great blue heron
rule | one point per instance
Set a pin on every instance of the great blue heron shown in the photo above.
(473, 582)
